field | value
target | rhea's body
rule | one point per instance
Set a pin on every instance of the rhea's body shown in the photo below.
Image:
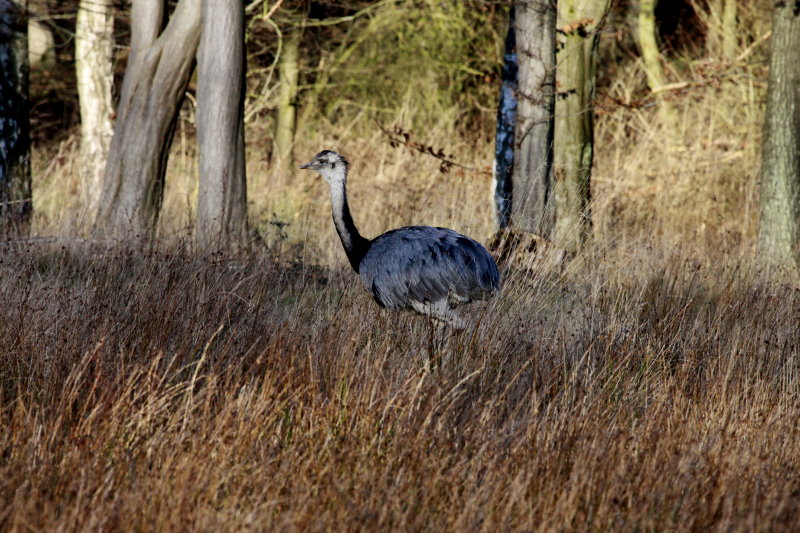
(421, 268)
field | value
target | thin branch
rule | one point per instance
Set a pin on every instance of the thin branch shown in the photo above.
(402, 137)
(348, 18)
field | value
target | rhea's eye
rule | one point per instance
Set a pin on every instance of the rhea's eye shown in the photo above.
(333, 165)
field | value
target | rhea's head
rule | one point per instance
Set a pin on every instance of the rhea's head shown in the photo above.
(330, 165)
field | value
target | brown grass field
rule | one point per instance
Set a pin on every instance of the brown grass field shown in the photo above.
(649, 384)
(635, 390)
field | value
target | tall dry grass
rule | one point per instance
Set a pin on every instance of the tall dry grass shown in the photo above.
(164, 391)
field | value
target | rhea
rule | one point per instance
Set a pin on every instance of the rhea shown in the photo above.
(419, 268)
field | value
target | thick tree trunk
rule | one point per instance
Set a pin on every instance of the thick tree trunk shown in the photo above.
(15, 169)
(289, 71)
(222, 199)
(574, 134)
(504, 134)
(779, 228)
(94, 52)
(532, 208)
(158, 72)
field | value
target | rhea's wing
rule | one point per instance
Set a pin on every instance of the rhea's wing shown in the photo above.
(426, 264)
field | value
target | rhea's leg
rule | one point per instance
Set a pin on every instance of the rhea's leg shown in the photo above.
(440, 310)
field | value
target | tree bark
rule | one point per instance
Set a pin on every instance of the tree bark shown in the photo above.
(285, 124)
(532, 208)
(729, 33)
(651, 56)
(779, 227)
(94, 54)
(15, 169)
(720, 19)
(648, 43)
(159, 67)
(41, 41)
(222, 198)
(504, 134)
(574, 129)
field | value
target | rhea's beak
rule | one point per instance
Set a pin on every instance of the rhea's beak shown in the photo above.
(310, 165)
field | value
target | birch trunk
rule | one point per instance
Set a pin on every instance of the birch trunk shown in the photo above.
(651, 56)
(729, 34)
(287, 103)
(504, 131)
(648, 44)
(574, 133)
(94, 54)
(720, 20)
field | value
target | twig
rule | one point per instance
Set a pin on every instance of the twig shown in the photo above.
(671, 87)
(348, 18)
(252, 6)
(747, 51)
(273, 9)
(402, 137)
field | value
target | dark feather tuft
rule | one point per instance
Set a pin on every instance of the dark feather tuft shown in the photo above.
(333, 157)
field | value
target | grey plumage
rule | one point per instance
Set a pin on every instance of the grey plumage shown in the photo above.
(421, 268)
(427, 264)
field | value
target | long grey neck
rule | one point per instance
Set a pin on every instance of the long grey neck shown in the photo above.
(355, 246)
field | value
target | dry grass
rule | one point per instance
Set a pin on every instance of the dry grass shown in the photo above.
(695, 177)
(388, 188)
(160, 391)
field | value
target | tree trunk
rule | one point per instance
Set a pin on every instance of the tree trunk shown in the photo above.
(15, 144)
(158, 72)
(287, 102)
(779, 227)
(41, 41)
(651, 56)
(222, 198)
(532, 209)
(729, 30)
(504, 134)
(574, 130)
(94, 53)
(720, 20)
(648, 43)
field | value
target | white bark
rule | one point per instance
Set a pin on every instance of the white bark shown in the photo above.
(94, 49)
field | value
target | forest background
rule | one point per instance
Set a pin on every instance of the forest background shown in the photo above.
(433, 70)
